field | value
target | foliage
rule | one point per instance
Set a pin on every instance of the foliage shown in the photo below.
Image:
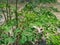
(43, 18)
(33, 23)
(48, 1)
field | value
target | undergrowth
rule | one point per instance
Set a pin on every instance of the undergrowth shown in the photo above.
(33, 25)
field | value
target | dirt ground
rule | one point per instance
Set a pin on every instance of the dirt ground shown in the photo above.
(57, 13)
